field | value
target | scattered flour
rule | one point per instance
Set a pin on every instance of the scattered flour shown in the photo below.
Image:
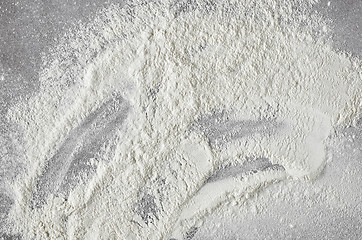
(264, 64)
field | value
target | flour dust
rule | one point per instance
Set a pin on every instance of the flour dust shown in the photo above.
(160, 112)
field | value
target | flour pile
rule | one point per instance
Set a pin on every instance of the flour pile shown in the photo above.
(159, 112)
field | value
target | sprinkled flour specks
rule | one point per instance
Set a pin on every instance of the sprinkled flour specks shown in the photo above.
(159, 112)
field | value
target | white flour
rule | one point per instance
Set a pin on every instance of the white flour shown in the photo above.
(201, 85)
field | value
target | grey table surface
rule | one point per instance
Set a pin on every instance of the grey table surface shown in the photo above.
(29, 28)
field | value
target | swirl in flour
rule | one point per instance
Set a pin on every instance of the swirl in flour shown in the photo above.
(203, 86)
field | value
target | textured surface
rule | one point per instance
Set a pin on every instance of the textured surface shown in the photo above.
(82, 145)
(29, 28)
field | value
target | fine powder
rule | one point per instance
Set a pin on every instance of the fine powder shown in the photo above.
(160, 112)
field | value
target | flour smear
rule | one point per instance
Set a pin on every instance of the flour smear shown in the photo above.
(140, 113)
